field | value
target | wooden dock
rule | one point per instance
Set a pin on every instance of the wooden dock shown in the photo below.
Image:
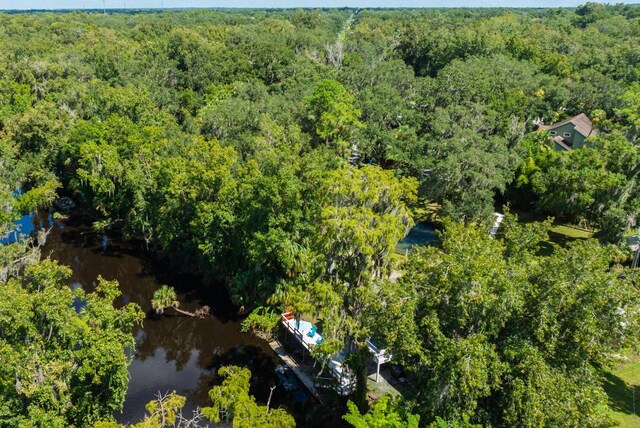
(306, 380)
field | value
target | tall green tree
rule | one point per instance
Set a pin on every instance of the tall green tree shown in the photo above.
(232, 402)
(383, 414)
(199, 190)
(630, 110)
(597, 184)
(333, 115)
(465, 165)
(64, 351)
(274, 211)
(364, 214)
(489, 334)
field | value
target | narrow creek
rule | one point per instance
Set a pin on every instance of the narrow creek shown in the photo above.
(172, 352)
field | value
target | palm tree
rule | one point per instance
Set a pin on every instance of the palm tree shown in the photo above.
(164, 297)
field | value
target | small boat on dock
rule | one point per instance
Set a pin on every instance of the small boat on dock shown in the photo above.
(307, 335)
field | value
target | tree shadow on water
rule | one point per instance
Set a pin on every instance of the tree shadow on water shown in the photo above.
(621, 394)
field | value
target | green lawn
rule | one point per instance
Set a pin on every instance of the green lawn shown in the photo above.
(619, 385)
(571, 231)
(560, 232)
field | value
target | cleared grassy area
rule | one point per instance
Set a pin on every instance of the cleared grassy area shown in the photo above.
(619, 385)
(560, 232)
(571, 232)
(563, 234)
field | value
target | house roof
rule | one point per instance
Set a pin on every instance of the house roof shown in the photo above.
(581, 123)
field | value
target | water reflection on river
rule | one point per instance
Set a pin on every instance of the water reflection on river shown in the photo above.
(172, 352)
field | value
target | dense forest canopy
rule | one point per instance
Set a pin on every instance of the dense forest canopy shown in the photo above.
(285, 152)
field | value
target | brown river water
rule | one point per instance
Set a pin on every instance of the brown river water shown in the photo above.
(173, 352)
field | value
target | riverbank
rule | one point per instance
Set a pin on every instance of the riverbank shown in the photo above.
(172, 352)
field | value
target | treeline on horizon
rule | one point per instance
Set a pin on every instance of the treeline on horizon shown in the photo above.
(285, 152)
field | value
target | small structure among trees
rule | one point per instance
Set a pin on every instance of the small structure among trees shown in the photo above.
(571, 133)
(307, 335)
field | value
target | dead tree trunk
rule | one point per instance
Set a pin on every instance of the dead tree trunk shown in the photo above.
(199, 313)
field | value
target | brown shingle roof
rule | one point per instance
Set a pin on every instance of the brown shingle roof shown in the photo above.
(581, 123)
